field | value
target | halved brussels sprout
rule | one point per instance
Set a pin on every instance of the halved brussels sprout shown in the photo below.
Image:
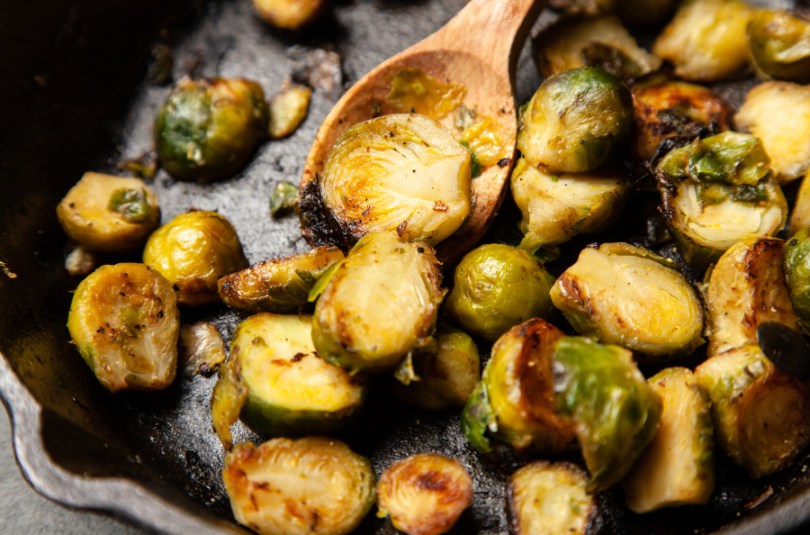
(514, 402)
(207, 129)
(402, 173)
(200, 349)
(550, 499)
(576, 121)
(193, 252)
(676, 468)
(379, 304)
(761, 415)
(625, 295)
(288, 107)
(598, 41)
(496, 288)
(105, 213)
(747, 287)
(290, 14)
(281, 285)
(309, 486)
(424, 494)
(558, 207)
(716, 192)
(124, 322)
(413, 90)
(668, 109)
(780, 44)
(706, 41)
(614, 411)
(797, 275)
(778, 113)
(448, 370)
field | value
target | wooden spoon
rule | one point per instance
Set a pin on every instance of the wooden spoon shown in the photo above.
(479, 48)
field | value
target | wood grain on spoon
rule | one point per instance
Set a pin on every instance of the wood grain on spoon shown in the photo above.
(479, 48)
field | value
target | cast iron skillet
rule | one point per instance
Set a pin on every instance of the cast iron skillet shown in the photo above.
(73, 99)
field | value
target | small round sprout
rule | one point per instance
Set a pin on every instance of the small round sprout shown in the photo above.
(625, 295)
(797, 273)
(207, 129)
(106, 213)
(193, 251)
(290, 14)
(780, 44)
(496, 288)
(309, 486)
(576, 121)
(125, 324)
(424, 494)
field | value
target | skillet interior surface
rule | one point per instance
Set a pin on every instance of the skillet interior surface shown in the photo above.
(74, 98)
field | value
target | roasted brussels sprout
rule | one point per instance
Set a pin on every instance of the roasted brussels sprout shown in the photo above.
(105, 213)
(309, 486)
(413, 90)
(424, 494)
(550, 499)
(448, 370)
(780, 44)
(193, 251)
(674, 111)
(124, 322)
(289, 14)
(716, 192)
(676, 468)
(796, 255)
(625, 295)
(288, 107)
(281, 286)
(747, 287)
(761, 415)
(706, 40)
(207, 129)
(576, 121)
(615, 412)
(558, 207)
(514, 402)
(496, 288)
(591, 42)
(778, 113)
(378, 305)
(200, 349)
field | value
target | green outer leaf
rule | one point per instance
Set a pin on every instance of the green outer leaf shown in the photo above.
(284, 198)
(323, 280)
(475, 166)
(476, 419)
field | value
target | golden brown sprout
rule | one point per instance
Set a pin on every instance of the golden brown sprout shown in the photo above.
(288, 108)
(105, 213)
(747, 287)
(124, 322)
(193, 251)
(309, 486)
(289, 14)
(424, 494)
(780, 44)
(201, 350)
(414, 91)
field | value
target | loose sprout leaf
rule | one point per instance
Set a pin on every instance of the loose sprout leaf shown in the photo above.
(484, 141)
(477, 418)
(404, 372)
(412, 90)
(322, 281)
(288, 109)
(230, 394)
(284, 198)
(475, 166)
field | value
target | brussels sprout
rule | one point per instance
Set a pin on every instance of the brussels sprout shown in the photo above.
(761, 415)
(514, 402)
(193, 251)
(80, 261)
(625, 295)
(401, 173)
(576, 121)
(615, 412)
(706, 40)
(288, 107)
(412, 90)
(716, 192)
(558, 207)
(379, 304)
(550, 499)
(796, 256)
(780, 44)
(309, 486)
(284, 198)
(675, 111)
(591, 42)
(778, 113)
(290, 14)
(424, 494)
(200, 348)
(124, 322)
(676, 468)
(496, 288)
(747, 287)
(105, 213)
(281, 285)
(207, 129)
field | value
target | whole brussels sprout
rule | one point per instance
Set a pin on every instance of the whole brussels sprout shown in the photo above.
(780, 44)
(207, 129)
(797, 274)
(496, 288)
(576, 121)
(193, 252)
